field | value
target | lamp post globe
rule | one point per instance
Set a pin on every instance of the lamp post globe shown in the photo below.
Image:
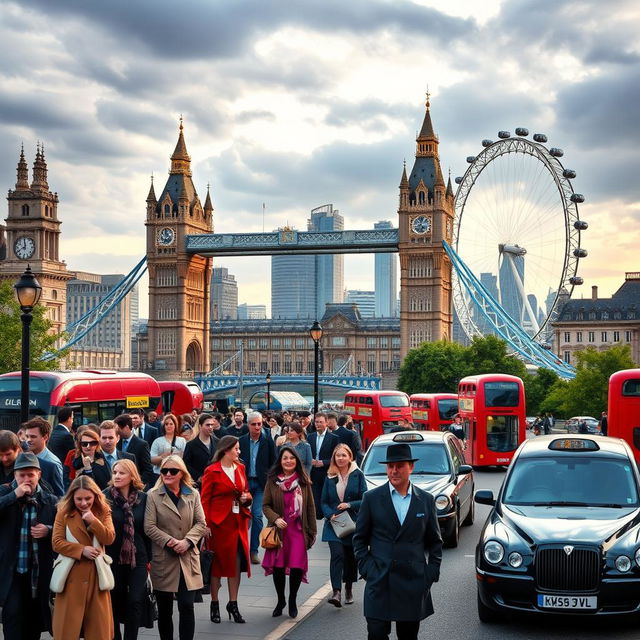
(28, 292)
(316, 335)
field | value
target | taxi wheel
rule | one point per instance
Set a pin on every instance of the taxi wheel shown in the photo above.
(451, 541)
(486, 614)
(468, 521)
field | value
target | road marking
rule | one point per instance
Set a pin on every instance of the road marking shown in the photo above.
(469, 556)
(303, 611)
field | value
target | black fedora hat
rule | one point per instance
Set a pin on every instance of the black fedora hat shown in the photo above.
(398, 453)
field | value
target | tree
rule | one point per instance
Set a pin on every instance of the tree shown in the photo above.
(586, 394)
(433, 367)
(11, 331)
(488, 354)
(537, 388)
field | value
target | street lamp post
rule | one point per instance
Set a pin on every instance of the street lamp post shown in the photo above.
(268, 391)
(28, 291)
(316, 334)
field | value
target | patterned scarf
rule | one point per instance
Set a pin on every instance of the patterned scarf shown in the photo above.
(28, 546)
(128, 548)
(290, 483)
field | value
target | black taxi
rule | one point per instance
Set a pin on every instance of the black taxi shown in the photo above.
(439, 469)
(563, 536)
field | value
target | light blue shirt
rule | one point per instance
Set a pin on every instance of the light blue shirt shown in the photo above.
(254, 446)
(400, 503)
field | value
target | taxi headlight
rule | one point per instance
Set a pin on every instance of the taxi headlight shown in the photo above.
(515, 559)
(442, 502)
(493, 552)
(623, 564)
(638, 557)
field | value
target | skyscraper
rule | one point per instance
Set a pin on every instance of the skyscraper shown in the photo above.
(293, 286)
(510, 298)
(386, 279)
(224, 295)
(329, 269)
(364, 299)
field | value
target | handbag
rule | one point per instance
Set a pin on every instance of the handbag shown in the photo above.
(270, 538)
(149, 606)
(61, 568)
(343, 525)
(106, 581)
(206, 561)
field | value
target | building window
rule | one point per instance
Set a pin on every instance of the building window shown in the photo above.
(275, 343)
(617, 315)
(567, 336)
(263, 366)
(384, 342)
(299, 366)
(252, 344)
(592, 315)
(627, 336)
(299, 343)
(592, 336)
(264, 343)
(603, 336)
(338, 341)
(286, 343)
(372, 343)
(25, 209)
(395, 343)
(227, 343)
(251, 366)
(578, 336)
(371, 363)
(616, 336)
(605, 315)
(287, 363)
(567, 357)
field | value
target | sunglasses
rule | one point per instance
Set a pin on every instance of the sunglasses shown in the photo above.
(167, 470)
(89, 443)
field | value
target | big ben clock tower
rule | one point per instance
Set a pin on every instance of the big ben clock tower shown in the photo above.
(32, 238)
(178, 329)
(425, 218)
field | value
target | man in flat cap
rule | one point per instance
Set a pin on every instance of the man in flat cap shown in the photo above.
(398, 548)
(27, 513)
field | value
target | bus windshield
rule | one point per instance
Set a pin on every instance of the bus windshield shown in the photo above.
(394, 401)
(501, 394)
(447, 408)
(39, 397)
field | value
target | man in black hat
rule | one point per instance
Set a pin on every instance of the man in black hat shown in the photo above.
(27, 513)
(397, 528)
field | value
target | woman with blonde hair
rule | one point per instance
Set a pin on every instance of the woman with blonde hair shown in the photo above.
(85, 514)
(131, 549)
(89, 459)
(174, 521)
(342, 491)
(170, 442)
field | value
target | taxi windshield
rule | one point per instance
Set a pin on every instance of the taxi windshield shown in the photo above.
(432, 460)
(572, 480)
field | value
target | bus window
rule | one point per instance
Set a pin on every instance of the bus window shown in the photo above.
(393, 401)
(502, 433)
(501, 394)
(447, 408)
(631, 388)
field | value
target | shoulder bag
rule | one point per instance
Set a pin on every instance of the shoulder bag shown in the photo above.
(106, 581)
(270, 538)
(61, 567)
(343, 525)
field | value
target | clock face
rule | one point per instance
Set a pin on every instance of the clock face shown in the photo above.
(421, 224)
(166, 236)
(24, 247)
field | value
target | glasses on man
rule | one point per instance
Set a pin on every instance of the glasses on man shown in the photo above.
(169, 471)
(255, 424)
(89, 443)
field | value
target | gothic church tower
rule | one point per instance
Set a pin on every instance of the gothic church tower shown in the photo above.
(178, 330)
(425, 218)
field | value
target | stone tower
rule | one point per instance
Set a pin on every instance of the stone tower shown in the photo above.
(178, 330)
(425, 218)
(32, 238)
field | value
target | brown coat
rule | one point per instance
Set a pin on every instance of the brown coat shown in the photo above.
(82, 604)
(163, 521)
(273, 508)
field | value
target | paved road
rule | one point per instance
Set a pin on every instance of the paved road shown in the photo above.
(455, 604)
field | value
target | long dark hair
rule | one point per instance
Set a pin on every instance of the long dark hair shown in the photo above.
(226, 443)
(277, 469)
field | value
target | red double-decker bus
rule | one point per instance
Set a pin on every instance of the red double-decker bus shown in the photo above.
(94, 396)
(179, 397)
(376, 412)
(623, 411)
(492, 408)
(433, 411)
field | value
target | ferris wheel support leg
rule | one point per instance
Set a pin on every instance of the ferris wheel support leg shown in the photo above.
(522, 293)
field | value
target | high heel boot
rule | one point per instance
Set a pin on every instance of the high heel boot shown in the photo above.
(214, 611)
(232, 610)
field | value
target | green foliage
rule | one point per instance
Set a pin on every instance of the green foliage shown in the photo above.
(586, 394)
(488, 354)
(433, 367)
(537, 388)
(11, 332)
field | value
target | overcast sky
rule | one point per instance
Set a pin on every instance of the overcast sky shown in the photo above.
(306, 103)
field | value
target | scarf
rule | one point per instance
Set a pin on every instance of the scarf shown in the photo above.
(128, 548)
(28, 546)
(290, 483)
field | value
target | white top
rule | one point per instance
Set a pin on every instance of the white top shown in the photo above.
(230, 471)
(162, 445)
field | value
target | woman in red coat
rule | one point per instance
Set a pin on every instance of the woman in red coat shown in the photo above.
(226, 500)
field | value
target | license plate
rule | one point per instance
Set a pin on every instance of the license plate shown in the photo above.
(567, 602)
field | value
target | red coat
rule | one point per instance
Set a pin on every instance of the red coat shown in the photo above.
(228, 530)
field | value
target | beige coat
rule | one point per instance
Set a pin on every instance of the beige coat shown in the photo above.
(82, 604)
(163, 521)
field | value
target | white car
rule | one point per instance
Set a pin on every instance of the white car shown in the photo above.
(573, 424)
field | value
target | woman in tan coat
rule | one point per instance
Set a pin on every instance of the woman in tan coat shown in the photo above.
(174, 521)
(82, 605)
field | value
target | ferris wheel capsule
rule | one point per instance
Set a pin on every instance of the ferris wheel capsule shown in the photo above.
(577, 197)
(487, 143)
(569, 173)
(581, 225)
(576, 280)
(580, 253)
(556, 153)
(522, 131)
(471, 159)
(539, 137)
(458, 179)
(504, 134)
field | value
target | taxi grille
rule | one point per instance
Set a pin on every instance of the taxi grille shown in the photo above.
(558, 571)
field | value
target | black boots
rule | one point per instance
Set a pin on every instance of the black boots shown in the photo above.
(214, 611)
(232, 610)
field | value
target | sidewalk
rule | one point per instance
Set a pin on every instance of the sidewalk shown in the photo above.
(256, 602)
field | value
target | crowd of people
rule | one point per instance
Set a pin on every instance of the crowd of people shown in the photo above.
(148, 496)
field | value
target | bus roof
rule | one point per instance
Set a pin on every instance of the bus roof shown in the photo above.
(483, 377)
(368, 392)
(624, 374)
(428, 396)
(81, 374)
